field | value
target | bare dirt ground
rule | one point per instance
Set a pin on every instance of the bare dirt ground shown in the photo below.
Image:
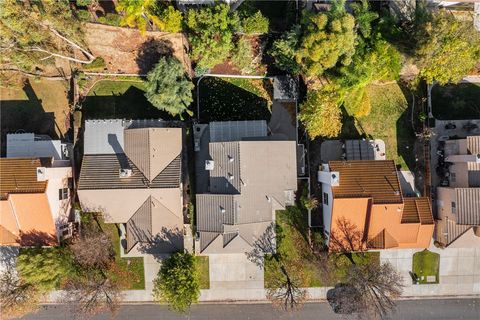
(127, 51)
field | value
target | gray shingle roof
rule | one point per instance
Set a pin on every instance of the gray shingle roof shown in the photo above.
(225, 176)
(468, 206)
(139, 227)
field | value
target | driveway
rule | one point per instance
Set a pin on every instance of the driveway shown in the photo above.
(233, 277)
(459, 271)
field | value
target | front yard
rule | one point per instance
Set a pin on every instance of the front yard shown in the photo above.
(388, 120)
(224, 99)
(201, 263)
(456, 102)
(426, 265)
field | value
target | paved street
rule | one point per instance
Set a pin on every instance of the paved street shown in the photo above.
(448, 309)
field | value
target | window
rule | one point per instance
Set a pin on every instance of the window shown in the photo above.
(63, 193)
(453, 177)
(454, 207)
(325, 198)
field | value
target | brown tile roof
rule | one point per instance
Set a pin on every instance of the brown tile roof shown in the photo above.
(363, 178)
(417, 210)
(383, 240)
(20, 176)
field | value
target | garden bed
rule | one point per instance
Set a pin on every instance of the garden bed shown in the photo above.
(456, 102)
(224, 99)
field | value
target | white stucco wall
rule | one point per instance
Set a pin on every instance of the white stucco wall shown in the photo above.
(57, 179)
(327, 209)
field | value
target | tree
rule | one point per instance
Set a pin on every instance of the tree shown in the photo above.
(327, 39)
(447, 48)
(171, 19)
(177, 282)
(363, 17)
(254, 23)
(17, 298)
(136, 13)
(34, 33)
(321, 114)
(375, 288)
(92, 293)
(93, 250)
(45, 268)
(284, 49)
(210, 33)
(168, 88)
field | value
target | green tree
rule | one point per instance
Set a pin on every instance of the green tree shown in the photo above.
(34, 33)
(447, 48)
(328, 39)
(321, 114)
(168, 87)
(45, 268)
(284, 49)
(177, 282)
(171, 19)
(255, 23)
(210, 33)
(363, 17)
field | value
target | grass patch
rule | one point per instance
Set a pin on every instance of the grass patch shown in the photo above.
(110, 99)
(293, 247)
(456, 101)
(132, 267)
(388, 120)
(426, 263)
(224, 99)
(201, 263)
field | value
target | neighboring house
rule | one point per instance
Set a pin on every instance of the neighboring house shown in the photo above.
(132, 173)
(458, 205)
(35, 200)
(32, 145)
(368, 196)
(248, 177)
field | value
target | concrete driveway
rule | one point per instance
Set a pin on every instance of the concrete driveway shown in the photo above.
(459, 271)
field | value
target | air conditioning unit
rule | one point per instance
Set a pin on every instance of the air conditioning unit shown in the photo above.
(66, 231)
(125, 173)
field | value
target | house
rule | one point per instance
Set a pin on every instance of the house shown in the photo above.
(32, 145)
(35, 201)
(367, 195)
(458, 204)
(248, 176)
(132, 173)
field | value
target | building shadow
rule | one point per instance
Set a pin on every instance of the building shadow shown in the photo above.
(221, 100)
(132, 104)
(164, 242)
(349, 127)
(25, 116)
(405, 129)
(150, 52)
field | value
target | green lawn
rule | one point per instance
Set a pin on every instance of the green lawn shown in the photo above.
(223, 99)
(132, 267)
(426, 263)
(388, 120)
(109, 99)
(201, 263)
(456, 101)
(295, 251)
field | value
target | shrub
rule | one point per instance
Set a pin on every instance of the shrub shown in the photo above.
(84, 3)
(243, 55)
(98, 63)
(110, 19)
(255, 23)
(83, 15)
(172, 20)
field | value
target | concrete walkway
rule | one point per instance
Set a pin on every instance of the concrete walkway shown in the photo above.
(459, 271)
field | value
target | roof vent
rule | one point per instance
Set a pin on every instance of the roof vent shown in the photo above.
(41, 174)
(209, 165)
(230, 159)
(222, 209)
(268, 199)
(124, 173)
(230, 176)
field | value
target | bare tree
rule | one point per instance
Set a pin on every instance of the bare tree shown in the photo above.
(285, 292)
(17, 297)
(92, 294)
(93, 249)
(375, 288)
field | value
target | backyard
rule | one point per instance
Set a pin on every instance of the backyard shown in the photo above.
(456, 102)
(109, 99)
(388, 120)
(224, 99)
(426, 267)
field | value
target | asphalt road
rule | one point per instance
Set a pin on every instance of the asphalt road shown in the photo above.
(439, 309)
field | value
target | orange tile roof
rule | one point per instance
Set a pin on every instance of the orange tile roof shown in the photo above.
(20, 176)
(376, 179)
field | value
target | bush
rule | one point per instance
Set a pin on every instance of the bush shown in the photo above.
(110, 19)
(98, 63)
(83, 15)
(284, 49)
(172, 20)
(255, 23)
(84, 3)
(243, 55)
